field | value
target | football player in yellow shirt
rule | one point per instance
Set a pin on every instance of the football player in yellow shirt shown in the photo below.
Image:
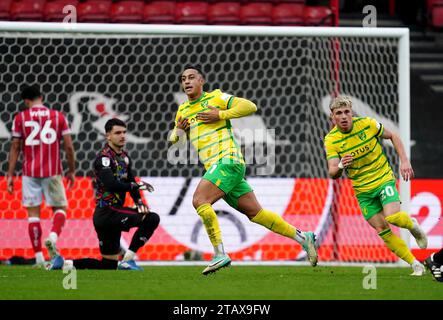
(205, 117)
(353, 145)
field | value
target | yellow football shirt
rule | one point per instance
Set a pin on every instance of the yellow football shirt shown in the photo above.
(213, 141)
(370, 168)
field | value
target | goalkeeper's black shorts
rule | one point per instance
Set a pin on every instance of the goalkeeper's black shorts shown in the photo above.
(109, 222)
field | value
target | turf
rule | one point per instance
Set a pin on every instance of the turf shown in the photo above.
(238, 282)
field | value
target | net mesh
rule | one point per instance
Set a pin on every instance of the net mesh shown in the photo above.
(92, 78)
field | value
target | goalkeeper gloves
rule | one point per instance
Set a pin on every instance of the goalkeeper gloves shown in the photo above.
(142, 186)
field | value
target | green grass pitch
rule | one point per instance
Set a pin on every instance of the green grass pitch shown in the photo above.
(236, 282)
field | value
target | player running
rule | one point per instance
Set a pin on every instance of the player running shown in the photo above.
(206, 118)
(354, 145)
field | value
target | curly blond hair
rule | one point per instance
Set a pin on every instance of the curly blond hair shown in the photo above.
(340, 102)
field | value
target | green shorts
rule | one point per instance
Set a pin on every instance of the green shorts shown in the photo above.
(229, 178)
(372, 202)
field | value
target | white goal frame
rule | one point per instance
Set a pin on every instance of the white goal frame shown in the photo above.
(401, 34)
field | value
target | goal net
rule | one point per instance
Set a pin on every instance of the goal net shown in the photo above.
(92, 75)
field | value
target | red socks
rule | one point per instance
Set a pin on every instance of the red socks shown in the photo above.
(35, 233)
(58, 221)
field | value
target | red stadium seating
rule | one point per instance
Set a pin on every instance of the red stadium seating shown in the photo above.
(191, 12)
(27, 10)
(227, 12)
(437, 17)
(318, 16)
(127, 12)
(432, 3)
(5, 5)
(256, 13)
(159, 12)
(224, 13)
(53, 11)
(435, 8)
(289, 1)
(289, 14)
(94, 11)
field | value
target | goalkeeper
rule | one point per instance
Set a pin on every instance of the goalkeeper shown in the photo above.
(353, 145)
(206, 117)
(114, 178)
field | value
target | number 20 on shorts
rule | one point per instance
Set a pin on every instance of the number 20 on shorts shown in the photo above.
(387, 191)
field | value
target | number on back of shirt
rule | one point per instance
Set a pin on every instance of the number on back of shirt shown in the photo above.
(46, 135)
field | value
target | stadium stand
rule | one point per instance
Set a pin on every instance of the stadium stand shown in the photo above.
(241, 12)
(127, 12)
(191, 12)
(288, 14)
(27, 10)
(224, 13)
(437, 17)
(53, 11)
(94, 11)
(159, 12)
(256, 13)
(140, 73)
(4, 9)
(435, 12)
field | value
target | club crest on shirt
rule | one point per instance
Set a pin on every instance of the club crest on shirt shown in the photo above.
(106, 162)
(205, 103)
(362, 136)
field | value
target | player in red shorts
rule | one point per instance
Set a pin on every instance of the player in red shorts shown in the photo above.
(38, 132)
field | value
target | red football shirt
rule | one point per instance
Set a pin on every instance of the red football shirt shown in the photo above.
(41, 130)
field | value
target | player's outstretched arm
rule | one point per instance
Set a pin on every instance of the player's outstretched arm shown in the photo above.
(406, 170)
(239, 108)
(14, 153)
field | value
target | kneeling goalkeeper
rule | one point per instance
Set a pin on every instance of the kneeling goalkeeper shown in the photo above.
(114, 178)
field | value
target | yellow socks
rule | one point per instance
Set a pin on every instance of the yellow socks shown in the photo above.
(266, 218)
(210, 221)
(397, 245)
(400, 219)
(275, 223)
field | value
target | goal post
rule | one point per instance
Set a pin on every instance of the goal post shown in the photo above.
(404, 122)
(93, 72)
